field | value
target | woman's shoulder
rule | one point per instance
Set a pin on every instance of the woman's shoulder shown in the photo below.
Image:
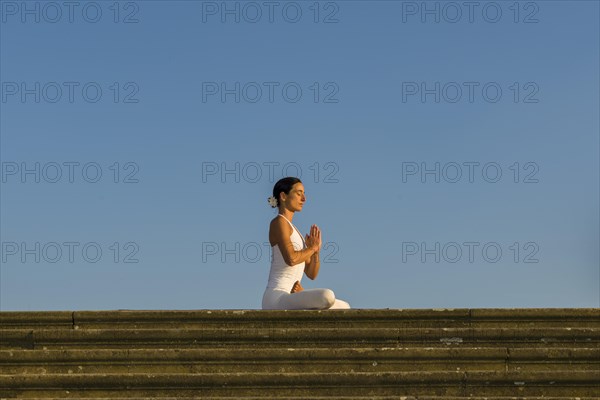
(279, 223)
(278, 229)
(277, 220)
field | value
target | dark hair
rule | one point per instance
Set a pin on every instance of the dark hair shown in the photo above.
(284, 185)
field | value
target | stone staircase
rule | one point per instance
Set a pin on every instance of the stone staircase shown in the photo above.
(301, 354)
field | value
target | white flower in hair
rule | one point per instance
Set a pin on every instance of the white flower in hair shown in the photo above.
(272, 201)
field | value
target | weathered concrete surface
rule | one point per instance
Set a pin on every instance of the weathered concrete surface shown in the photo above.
(353, 354)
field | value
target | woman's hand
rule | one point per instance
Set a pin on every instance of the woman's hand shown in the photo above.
(314, 240)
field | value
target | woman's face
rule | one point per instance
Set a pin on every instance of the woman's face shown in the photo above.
(295, 200)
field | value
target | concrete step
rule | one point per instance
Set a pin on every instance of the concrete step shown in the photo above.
(555, 383)
(321, 337)
(80, 361)
(425, 397)
(354, 318)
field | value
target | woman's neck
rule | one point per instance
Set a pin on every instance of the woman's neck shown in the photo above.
(287, 213)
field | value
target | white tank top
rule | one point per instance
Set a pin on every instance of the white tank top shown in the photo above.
(282, 276)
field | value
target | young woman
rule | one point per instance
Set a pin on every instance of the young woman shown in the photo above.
(294, 256)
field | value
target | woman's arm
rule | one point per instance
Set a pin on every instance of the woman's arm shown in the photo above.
(311, 269)
(281, 232)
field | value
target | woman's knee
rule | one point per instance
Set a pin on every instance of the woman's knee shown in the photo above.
(328, 298)
(341, 305)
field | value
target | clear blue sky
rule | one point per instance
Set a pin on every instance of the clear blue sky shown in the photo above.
(343, 92)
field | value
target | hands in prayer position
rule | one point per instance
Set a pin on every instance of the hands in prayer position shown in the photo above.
(314, 239)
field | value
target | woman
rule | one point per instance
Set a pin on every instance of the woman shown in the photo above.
(293, 256)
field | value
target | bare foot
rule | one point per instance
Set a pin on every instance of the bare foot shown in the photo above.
(297, 287)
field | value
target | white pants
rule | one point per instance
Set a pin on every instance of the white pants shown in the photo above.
(311, 299)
